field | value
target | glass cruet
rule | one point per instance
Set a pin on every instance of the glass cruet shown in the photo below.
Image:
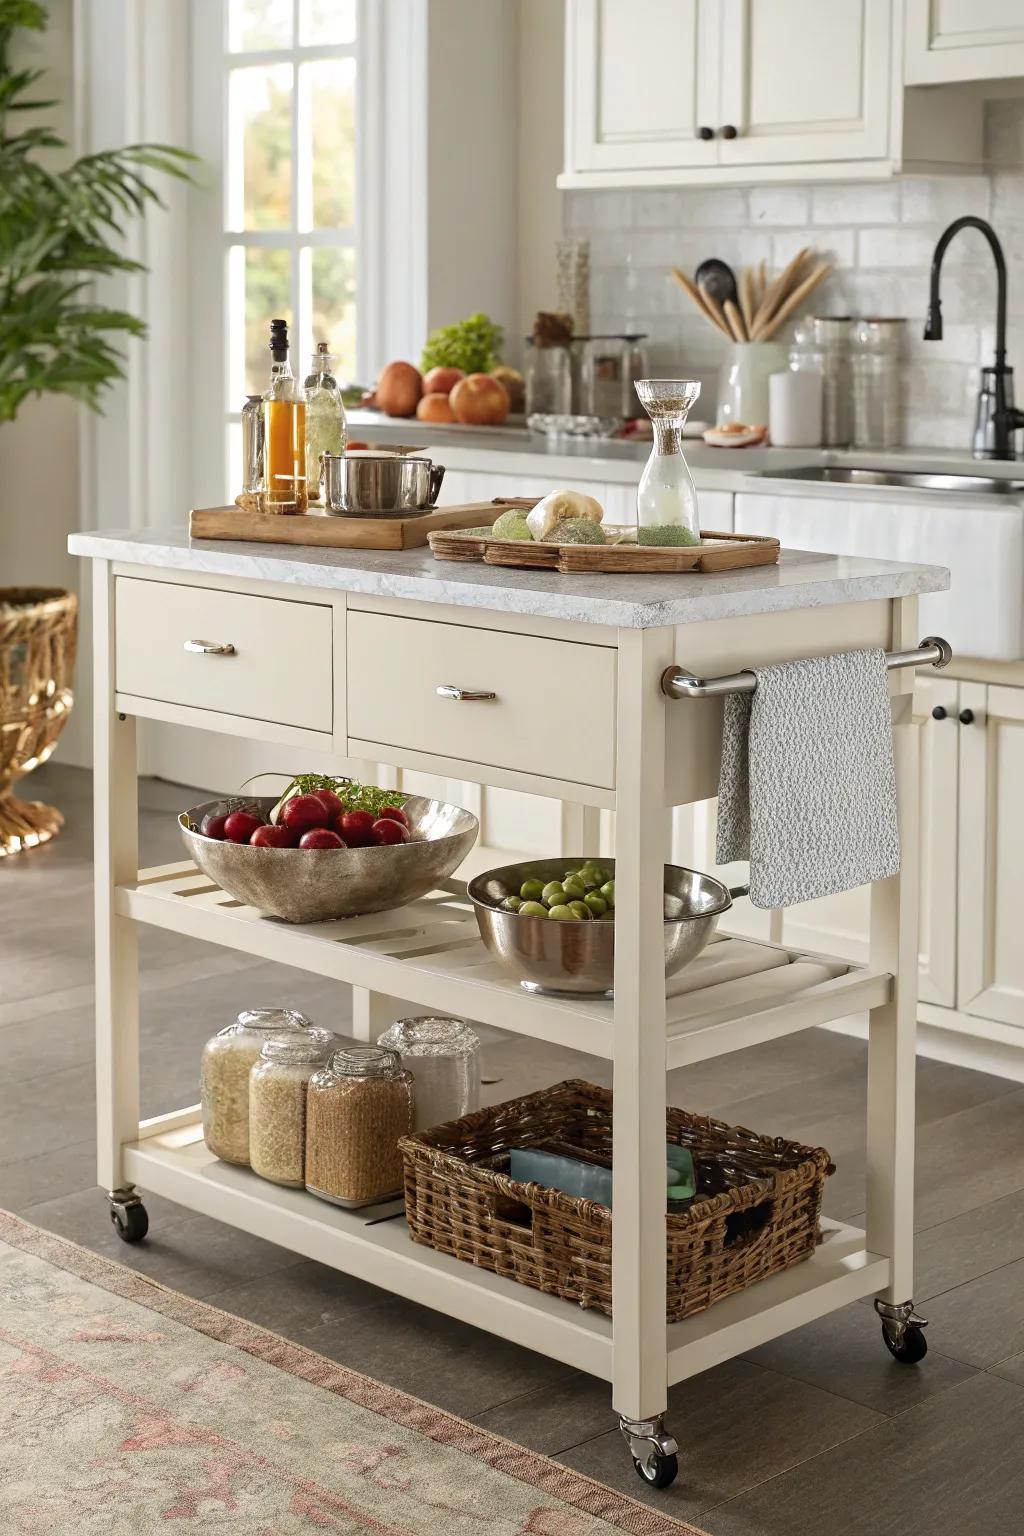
(666, 500)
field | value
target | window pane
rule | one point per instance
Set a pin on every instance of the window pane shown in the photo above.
(266, 284)
(260, 152)
(327, 21)
(334, 305)
(256, 24)
(328, 93)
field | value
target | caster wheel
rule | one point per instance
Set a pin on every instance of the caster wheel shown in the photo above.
(910, 1348)
(657, 1471)
(131, 1222)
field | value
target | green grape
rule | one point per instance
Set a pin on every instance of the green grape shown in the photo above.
(533, 909)
(580, 908)
(564, 914)
(532, 890)
(553, 895)
(596, 904)
(512, 903)
(608, 892)
(574, 888)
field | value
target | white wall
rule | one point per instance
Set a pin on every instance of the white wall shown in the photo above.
(539, 151)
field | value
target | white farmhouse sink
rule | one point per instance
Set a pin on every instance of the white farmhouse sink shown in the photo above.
(980, 542)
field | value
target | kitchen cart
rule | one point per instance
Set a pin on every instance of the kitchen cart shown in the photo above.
(600, 692)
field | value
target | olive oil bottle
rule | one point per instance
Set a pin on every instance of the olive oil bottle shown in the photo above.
(284, 438)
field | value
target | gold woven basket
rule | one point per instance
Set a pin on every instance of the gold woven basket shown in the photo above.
(38, 636)
(459, 1199)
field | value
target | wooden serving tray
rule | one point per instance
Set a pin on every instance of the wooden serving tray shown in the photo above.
(716, 552)
(324, 532)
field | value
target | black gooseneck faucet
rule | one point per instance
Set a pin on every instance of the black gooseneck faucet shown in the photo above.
(997, 417)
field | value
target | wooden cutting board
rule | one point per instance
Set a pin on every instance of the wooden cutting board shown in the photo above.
(321, 531)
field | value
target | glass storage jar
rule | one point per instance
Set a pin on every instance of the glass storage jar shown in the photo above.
(548, 379)
(227, 1061)
(877, 383)
(443, 1056)
(277, 1104)
(359, 1105)
(832, 337)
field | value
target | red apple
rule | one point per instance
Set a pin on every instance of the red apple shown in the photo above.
(355, 827)
(213, 826)
(240, 826)
(304, 812)
(441, 381)
(273, 837)
(320, 837)
(393, 813)
(330, 801)
(385, 831)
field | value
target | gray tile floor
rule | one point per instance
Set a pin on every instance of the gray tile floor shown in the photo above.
(817, 1432)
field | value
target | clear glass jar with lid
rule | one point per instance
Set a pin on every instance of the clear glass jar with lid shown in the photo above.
(832, 337)
(878, 382)
(226, 1063)
(359, 1106)
(548, 378)
(443, 1056)
(277, 1104)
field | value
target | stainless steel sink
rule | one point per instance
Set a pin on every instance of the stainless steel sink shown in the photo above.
(989, 485)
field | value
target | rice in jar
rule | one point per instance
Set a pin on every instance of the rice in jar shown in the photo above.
(359, 1105)
(443, 1056)
(224, 1077)
(277, 1104)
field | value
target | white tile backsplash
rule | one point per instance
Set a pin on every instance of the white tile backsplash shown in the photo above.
(878, 236)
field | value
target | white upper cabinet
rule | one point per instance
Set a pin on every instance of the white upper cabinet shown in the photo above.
(950, 40)
(677, 92)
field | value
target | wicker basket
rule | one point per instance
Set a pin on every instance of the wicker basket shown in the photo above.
(38, 631)
(459, 1201)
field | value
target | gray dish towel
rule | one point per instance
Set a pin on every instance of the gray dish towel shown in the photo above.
(807, 790)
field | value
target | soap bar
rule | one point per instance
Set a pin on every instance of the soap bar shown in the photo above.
(590, 1181)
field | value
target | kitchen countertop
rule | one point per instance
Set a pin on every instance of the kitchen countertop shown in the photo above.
(511, 450)
(801, 580)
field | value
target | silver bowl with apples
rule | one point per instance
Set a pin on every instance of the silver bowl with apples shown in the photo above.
(324, 880)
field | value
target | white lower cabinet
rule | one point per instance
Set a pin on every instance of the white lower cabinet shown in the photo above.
(990, 983)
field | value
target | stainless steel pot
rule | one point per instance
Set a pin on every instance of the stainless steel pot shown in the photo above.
(379, 485)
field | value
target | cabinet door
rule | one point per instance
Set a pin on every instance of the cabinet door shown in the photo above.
(963, 40)
(937, 807)
(642, 80)
(805, 80)
(991, 955)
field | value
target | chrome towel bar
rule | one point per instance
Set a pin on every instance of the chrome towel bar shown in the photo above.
(677, 684)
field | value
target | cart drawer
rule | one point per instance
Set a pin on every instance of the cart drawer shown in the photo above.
(553, 712)
(158, 622)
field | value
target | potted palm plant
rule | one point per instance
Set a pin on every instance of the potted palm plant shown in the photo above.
(58, 232)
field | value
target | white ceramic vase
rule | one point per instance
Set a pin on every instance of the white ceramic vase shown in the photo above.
(743, 383)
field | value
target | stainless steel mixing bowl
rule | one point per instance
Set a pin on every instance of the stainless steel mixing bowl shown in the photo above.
(309, 885)
(379, 485)
(551, 956)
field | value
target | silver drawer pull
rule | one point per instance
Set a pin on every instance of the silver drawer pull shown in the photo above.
(462, 695)
(210, 647)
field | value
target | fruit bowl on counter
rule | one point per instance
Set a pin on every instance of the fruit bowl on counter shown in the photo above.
(552, 946)
(312, 875)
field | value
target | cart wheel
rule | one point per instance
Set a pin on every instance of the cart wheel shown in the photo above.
(131, 1222)
(910, 1347)
(657, 1471)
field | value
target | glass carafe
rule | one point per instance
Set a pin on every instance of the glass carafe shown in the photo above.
(666, 501)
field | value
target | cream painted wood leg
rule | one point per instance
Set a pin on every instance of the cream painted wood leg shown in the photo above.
(115, 790)
(639, 1374)
(580, 830)
(374, 1012)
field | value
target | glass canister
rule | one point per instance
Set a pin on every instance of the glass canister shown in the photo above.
(252, 445)
(443, 1056)
(548, 374)
(877, 382)
(831, 335)
(666, 500)
(609, 369)
(224, 1076)
(359, 1106)
(277, 1104)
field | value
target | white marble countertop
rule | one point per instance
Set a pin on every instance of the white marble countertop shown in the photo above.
(800, 580)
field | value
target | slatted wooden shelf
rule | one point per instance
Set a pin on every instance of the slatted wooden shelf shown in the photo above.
(737, 993)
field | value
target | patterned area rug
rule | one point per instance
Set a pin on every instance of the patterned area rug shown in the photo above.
(128, 1409)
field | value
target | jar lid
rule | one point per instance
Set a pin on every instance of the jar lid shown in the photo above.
(430, 1036)
(309, 1045)
(270, 1021)
(366, 1061)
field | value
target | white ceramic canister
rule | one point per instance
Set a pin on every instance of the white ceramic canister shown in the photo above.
(795, 409)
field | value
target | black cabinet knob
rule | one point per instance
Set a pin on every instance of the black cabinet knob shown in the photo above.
(728, 132)
(967, 717)
(705, 133)
(940, 712)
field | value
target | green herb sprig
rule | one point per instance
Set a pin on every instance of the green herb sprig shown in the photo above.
(353, 796)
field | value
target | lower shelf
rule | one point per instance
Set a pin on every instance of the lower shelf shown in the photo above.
(170, 1159)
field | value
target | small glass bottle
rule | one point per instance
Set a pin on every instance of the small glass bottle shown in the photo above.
(359, 1106)
(284, 431)
(666, 500)
(325, 416)
(443, 1056)
(224, 1071)
(277, 1104)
